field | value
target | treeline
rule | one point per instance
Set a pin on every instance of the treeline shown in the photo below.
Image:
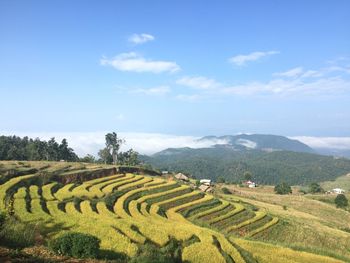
(27, 149)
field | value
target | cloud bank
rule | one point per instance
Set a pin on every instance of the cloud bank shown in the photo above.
(339, 143)
(149, 143)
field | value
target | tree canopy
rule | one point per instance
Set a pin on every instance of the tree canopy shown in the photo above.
(27, 149)
(341, 201)
(283, 189)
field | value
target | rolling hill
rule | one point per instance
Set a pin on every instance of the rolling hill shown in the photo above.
(267, 167)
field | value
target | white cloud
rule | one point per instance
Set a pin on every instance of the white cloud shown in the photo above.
(199, 82)
(295, 82)
(247, 143)
(340, 143)
(241, 60)
(161, 90)
(295, 72)
(140, 38)
(136, 63)
(297, 87)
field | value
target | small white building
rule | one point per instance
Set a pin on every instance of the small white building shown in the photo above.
(205, 182)
(165, 172)
(250, 184)
(338, 191)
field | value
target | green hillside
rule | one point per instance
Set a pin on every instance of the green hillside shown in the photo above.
(130, 211)
(273, 167)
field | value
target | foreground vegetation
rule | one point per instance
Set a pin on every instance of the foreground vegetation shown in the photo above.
(133, 217)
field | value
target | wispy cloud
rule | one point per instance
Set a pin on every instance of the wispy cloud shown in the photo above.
(294, 72)
(295, 87)
(136, 63)
(198, 82)
(138, 39)
(241, 60)
(156, 91)
(328, 81)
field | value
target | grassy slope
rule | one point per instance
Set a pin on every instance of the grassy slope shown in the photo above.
(341, 182)
(307, 224)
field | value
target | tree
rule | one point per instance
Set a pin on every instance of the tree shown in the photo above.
(248, 176)
(341, 201)
(315, 188)
(88, 159)
(53, 150)
(105, 156)
(283, 189)
(66, 153)
(113, 144)
(129, 157)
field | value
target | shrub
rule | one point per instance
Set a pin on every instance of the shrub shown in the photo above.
(283, 189)
(150, 253)
(16, 234)
(76, 245)
(226, 191)
(315, 188)
(341, 201)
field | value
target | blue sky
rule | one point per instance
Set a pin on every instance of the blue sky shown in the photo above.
(175, 67)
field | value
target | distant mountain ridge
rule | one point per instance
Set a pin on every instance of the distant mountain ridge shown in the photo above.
(262, 142)
(270, 158)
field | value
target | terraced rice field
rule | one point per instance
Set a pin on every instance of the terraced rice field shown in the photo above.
(126, 210)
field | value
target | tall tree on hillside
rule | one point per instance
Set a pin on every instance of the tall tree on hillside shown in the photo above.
(113, 144)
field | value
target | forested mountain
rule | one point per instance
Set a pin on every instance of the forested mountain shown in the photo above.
(17, 148)
(263, 142)
(267, 167)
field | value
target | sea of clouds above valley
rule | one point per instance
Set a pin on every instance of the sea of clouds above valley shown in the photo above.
(149, 143)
